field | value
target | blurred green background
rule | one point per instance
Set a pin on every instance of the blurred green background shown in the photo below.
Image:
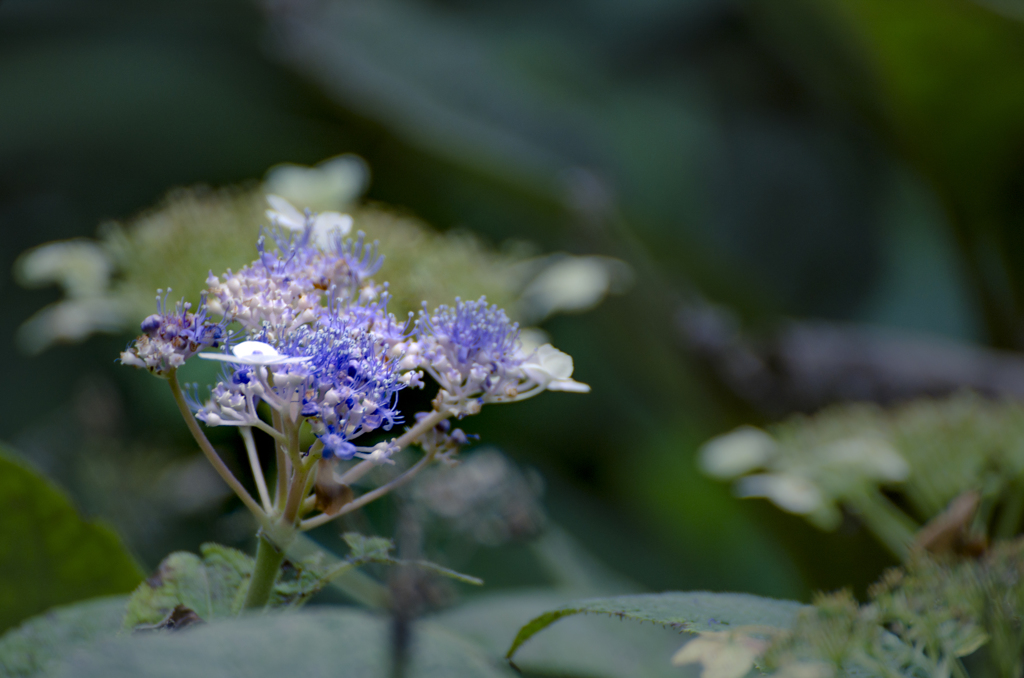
(854, 161)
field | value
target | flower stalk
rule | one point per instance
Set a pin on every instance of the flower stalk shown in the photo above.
(264, 574)
(211, 454)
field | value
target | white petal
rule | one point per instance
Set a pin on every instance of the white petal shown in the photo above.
(555, 362)
(736, 453)
(284, 213)
(253, 360)
(537, 374)
(548, 364)
(331, 184)
(328, 224)
(531, 339)
(254, 353)
(569, 386)
(791, 493)
(721, 654)
(252, 348)
(570, 284)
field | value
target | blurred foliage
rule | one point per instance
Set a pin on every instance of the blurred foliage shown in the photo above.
(110, 283)
(592, 647)
(902, 631)
(31, 648)
(50, 555)
(939, 81)
(317, 642)
(856, 161)
(895, 470)
(423, 265)
(693, 612)
(211, 586)
(922, 620)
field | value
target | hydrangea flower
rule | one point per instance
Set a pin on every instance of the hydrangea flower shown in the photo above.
(316, 344)
(289, 286)
(170, 337)
(474, 352)
(471, 350)
(341, 373)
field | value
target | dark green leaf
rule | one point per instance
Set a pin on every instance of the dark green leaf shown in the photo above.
(325, 642)
(40, 641)
(696, 611)
(592, 647)
(48, 555)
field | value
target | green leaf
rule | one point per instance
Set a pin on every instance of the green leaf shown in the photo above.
(582, 647)
(693, 612)
(363, 550)
(40, 641)
(355, 585)
(208, 585)
(314, 643)
(366, 548)
(442, 571)
(49, 555)
(214, 585)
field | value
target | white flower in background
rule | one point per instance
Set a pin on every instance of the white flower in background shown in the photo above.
(282, 213)
(254, 353)
(872, 457)
(71, 321)
(333, 184)
(81, 267)
(328, 227)
(738, 452)
(552, 369)
(571, 284)
(721, 654)
(790, 492)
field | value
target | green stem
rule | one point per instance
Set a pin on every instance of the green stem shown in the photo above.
(1013, 509)
(365, 499)
(958, 668)
(264, 574)
(892, 527)
(257, 468)
(296, 493)
(403, 441)
(281, 493)
(211, 454)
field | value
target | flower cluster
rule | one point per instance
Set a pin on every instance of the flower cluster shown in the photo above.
(172, 336)
(287, 288)
(474, 352)
(316, 344)
(340, 373)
